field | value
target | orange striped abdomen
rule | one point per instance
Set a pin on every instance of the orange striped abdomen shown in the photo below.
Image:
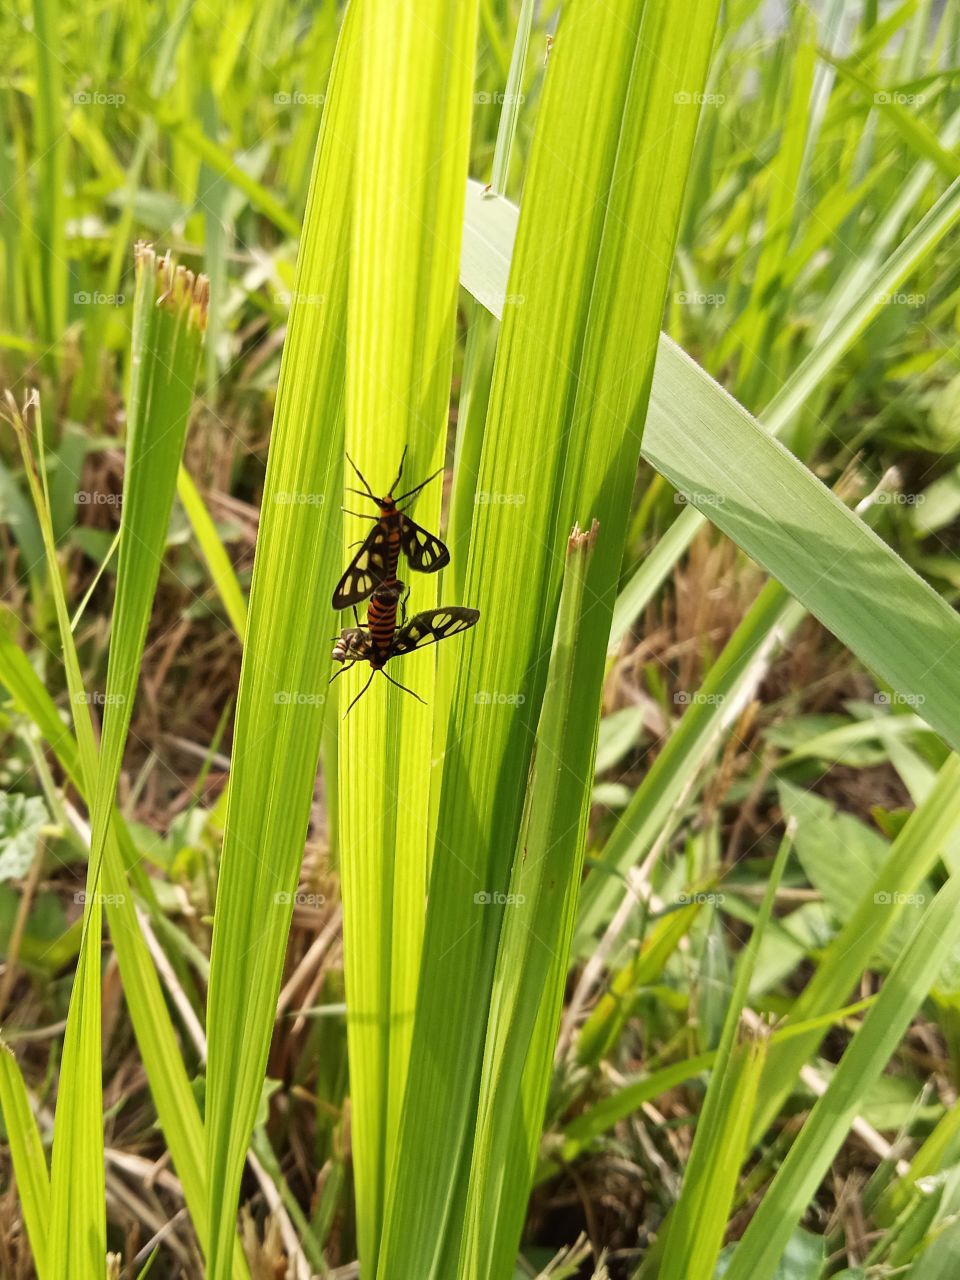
(382, 620)
(390, 517)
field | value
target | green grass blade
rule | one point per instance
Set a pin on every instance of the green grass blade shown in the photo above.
(169, 320)
(699, 1218)
(414, 125)
(481, 335)
(77, 1239)
(50, 142)
(283, 680)
(804, 536)
(26, 1152)
(764, 306)
(218, 562)
(530, 972)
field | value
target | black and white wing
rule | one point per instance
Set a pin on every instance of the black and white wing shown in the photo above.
(426, 553)
(431, 626)
(365, 571)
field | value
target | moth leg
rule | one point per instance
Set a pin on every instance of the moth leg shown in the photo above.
(404, 688)
(346, 667)
(359, 695)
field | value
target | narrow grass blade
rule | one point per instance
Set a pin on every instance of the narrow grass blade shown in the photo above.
(29, 1161)
(477, 356)
(218, 562)
(220, 160)
(169, 321)
(535, 937)
(50, 143)
(699, 1218)
(413, 135)
(168, 326)
(283, 680)
(912, 130)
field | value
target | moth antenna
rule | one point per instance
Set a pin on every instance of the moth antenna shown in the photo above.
(403, 458)
(362, 478)
(412, 493)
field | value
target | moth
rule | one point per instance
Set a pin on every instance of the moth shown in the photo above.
(376, 645)
(393, 531)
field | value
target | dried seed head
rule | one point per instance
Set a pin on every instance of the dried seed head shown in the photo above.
(580, 541)
(178, 288)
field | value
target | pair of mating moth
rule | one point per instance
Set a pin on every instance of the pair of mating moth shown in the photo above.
(372, 574)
